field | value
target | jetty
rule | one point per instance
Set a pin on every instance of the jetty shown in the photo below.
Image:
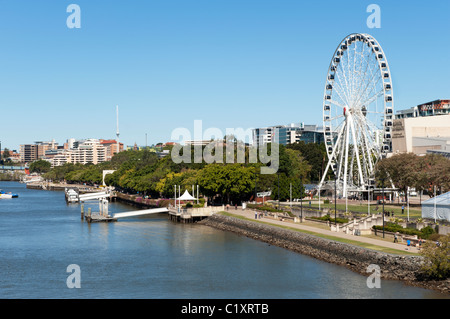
(101, 216)
(192, 215)
(175, 213)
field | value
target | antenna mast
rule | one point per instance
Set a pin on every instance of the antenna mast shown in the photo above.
(117, 132)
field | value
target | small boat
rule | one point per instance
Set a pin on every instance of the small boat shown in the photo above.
(71, 195)
(7, 195)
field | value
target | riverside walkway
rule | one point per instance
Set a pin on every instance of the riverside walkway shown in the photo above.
(250, 214)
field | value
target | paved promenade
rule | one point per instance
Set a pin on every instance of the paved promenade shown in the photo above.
(250, 214)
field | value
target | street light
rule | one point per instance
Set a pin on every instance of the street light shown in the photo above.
(278, 190)
(382, 187)
(301, 199)
(255, 187)
(335, 194)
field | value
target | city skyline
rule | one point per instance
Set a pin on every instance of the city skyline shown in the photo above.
(233, 64)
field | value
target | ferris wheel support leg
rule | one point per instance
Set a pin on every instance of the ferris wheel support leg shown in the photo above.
(361, 179)
(333, 154)
(344, 192)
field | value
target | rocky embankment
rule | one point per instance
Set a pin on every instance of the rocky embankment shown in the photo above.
(392, 267)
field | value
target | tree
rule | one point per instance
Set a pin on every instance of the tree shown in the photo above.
(40, 167)
(409, 170)
(437, 172)
(293, 170)
(315, 155)
(233, 182)
(59, 173)
(6, 154)
(286, 184)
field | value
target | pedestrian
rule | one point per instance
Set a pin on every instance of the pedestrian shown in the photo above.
(395, 238)
(235, 207)
(228, 206)
(408, 243)
(403, 209)
(256, 215)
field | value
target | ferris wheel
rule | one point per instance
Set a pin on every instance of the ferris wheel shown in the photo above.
(358, 109)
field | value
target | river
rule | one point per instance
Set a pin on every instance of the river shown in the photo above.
(154, 258)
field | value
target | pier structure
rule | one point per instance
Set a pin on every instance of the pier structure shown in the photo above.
(191, 215)
(100, 216)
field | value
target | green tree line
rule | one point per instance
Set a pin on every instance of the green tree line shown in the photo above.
(424, 173)
(143, 172)
(298, 164)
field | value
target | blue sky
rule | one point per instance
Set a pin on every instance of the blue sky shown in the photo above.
(229, 63)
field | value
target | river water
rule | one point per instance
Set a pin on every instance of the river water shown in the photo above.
(153, 258)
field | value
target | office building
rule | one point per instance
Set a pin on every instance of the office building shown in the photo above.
(423, 129)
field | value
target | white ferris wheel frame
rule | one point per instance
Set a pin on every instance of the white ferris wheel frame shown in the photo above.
(345, 91)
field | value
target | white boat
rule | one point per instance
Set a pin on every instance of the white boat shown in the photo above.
(7, 195)
(71, 195)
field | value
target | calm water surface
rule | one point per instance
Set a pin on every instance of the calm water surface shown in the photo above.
(152, 257)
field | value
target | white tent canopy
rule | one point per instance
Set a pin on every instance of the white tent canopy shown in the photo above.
(437, 207)
(186, 196)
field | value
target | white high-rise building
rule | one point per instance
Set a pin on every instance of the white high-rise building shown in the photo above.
(89, 151)
(84, 152)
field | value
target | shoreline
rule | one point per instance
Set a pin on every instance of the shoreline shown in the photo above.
(392, 267)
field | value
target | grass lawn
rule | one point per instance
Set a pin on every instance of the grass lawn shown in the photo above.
(363, 208)
(338, 239)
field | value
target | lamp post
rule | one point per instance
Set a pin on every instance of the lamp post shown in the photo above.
(301, 199)
(175, 196)
(382, 187)
(278, 190)
(255, 188)
(290, 195)
(435, 213)
(319, 197)
(335, 196)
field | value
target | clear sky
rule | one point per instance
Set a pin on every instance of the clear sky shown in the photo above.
(166, 63)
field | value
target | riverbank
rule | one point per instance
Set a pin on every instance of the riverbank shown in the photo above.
(357, 259)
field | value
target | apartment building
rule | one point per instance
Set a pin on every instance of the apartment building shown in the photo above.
(288, 134)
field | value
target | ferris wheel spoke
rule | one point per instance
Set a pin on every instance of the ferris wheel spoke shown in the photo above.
(371, 83)
(339, 93)
(336, 118)
(337, 103)
(372, 98)
(344, 91)
(367, 79)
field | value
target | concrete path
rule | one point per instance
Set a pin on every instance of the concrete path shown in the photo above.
(372, 241)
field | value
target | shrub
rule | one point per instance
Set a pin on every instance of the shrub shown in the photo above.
(330, 219)
(265, 208)
(427, 231)
(436, 259)
(392, 227)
